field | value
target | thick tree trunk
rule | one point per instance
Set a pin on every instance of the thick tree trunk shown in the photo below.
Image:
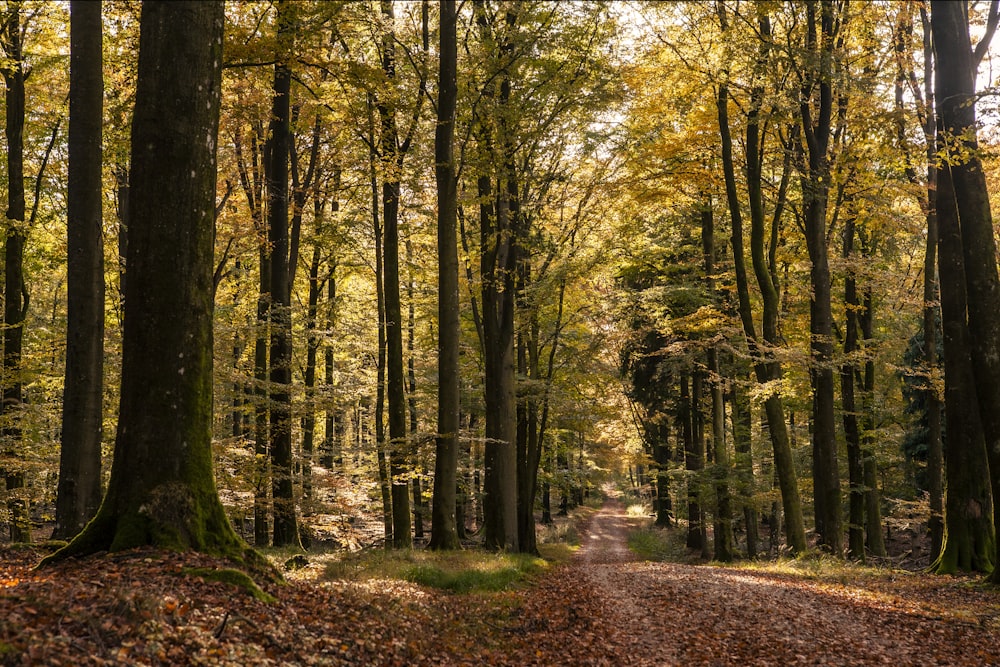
(162, 491)
(79, 493)
(969, 539)
(956, 90)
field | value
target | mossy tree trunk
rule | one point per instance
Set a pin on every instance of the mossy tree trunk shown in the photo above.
(969, 539)
(963, 182)
(162, 491)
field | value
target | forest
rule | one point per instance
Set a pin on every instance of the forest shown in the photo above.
(291, 283)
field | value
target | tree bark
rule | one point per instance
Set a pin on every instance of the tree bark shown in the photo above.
(285, 528)
(395, 394)
(766, 368)
(855, 471)
(162, 490)
(693, 462)
(816, 117)
(14, 289)
(970, 209)
(444, 530)
(79, 492)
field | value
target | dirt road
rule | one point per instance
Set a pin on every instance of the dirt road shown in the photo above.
(671, 614)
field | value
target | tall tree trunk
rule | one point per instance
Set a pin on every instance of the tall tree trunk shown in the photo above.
(285, 528)
(161, 491)
(935, 450)
(498, 261)
(395, 394)
(444, 523)
(906, 81)
(816, 117)
(723, 528)
(693, 462)
(334, 418)
(872, 497)
(969, 539)
(312, 350)
(14, 292)
(253, 178)
(420, 470)
(855, 472)
(79, 493)
(766, 368)
(723, 534)
(963, 182)
(301, 186)
(262, 481)
(741, 418)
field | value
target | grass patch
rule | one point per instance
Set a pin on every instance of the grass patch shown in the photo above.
(661, 544)
(637, 511)
(818, 566)
(469, 571)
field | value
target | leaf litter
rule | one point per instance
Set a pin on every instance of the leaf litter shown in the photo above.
(602, 608)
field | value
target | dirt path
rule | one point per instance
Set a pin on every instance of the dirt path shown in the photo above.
(671, 614)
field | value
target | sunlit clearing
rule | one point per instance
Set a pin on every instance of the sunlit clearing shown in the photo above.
(637, 511)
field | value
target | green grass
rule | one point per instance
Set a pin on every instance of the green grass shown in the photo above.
(468, 571)
(661, 544)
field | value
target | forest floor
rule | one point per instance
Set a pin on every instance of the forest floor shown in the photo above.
(602, 606)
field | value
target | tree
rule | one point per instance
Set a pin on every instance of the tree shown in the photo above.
(15, 309)
(767, 368)
(286, 531)
(906, 80)
(444, 532)
(79, 492)
(816, 108)
(162, 490)
(499, 240)
(968, 244)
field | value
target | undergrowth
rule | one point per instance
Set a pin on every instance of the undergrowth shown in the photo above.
(464, 571)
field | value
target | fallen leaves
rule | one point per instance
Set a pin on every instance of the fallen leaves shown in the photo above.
(604, 608)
